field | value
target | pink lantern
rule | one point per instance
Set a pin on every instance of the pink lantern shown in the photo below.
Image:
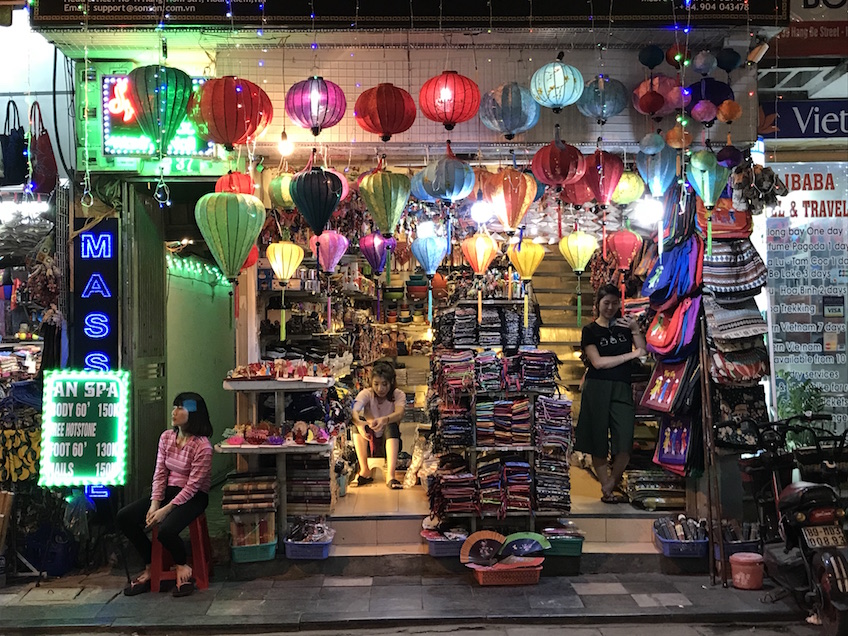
(329, 247)
(705, 112)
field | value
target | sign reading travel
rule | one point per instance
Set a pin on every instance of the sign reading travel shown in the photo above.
(84, 432)
(823, 118)
(122, 134)
(426, 14)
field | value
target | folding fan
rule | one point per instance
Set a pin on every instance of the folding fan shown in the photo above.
(481, 548)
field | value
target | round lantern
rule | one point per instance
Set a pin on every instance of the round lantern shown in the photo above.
(386, 194)
(652, 143)
(229, 110)
(658, 170)
(728, 111)
(602, 98)
(385, 110)
(416, 187)
(316, 193)
(558, 163)
(279, 191)
(630, 187)
(709, 89)
(329, 247)
(730, 156)
(624, 244)
(704, 63)
(449, 178)
(577, 248)
(512, 192)
(375, 249)
(662, 85)
(728, 60)
(315, 104)
(509, 109)
(230, 224)
(650, 104)
(449, 99)
(556, 85)
(704, 112)
(237, 182)
(159, 95)
(678, 137)
(285, 257)
(651, 56)
(708, 179)
(578, 193)
(430, 251)
(677, 55)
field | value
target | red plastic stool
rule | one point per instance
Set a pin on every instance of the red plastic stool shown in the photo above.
(201, 557)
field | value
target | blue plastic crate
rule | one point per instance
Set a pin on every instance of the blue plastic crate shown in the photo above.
(683, 549)
(253, 553)
(444, 548)
(307, 549)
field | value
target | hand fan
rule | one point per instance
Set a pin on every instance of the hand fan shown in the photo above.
(481, 548)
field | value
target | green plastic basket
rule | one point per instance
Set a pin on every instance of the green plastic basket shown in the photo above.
(565, 546)
(253, 553)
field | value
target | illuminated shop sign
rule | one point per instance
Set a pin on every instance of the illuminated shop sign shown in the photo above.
(84, 433)
(95, 330)
(122, 134)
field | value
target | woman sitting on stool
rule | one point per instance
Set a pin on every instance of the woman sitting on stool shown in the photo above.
(180, 492)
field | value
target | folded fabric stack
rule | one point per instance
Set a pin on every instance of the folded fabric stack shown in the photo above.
(513, 320)
(490, 483)
(553, 485)
(443, 331)
(453, 372)
(518, 484)
(453, 489)
(539, 370)
(8, 364)
(734, 326)
(485, 423)
(254, 494)
(489, 330)
(512, 373)
(655, 489)
(554, 426)
(503, 422)
(308, 485)
(416, 376)
(454, 426)
(530, 333)
(489, 370)
(465, 327)
(520, 422)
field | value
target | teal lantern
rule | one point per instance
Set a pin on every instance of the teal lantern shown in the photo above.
(708, 178)
(230, 224)
(448, 179)
(556, 85)
(430, 251)
(417, 188)
(316, 193)
(509, 109)
(159, 96)
(603, 98)
(658, 170)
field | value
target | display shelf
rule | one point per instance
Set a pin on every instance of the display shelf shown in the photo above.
(269, 449)
(516, 449)
(10, 346)
(283, 384)
(490, 301)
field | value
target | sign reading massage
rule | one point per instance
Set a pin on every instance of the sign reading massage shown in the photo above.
(809, 119)
(84, 433)
(392, 14)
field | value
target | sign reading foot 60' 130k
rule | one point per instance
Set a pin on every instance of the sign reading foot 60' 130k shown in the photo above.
(84, 439)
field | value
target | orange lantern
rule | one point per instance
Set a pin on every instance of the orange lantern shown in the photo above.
(512, 192)
(480, 250)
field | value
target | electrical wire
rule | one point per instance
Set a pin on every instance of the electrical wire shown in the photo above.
(56, 118)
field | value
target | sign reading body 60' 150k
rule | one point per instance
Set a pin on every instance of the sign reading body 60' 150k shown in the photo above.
(84, 432)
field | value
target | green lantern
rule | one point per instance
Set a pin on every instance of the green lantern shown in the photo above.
(708, 178)
(159, 95)
(386, 194)
(230, 224)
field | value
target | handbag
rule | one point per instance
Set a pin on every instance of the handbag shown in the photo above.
(734, 271)
(44, 170)
(13, 147)
(671, 333)
(727, 222)
(739, 367)
(672, 386)
(678, 220)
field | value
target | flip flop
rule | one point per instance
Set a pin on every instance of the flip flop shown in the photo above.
(612, 498)
(394, 484)
(137, 587)
(362, 481)
(186, 589)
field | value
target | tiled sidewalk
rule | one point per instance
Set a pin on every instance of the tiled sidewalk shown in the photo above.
(320, 602)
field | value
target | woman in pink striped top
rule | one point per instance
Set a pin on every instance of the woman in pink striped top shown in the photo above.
(180, 492)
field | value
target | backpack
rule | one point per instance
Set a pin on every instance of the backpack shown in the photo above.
(671, 334)
(13, 147)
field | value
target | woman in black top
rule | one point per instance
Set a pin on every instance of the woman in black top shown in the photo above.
(606, 404)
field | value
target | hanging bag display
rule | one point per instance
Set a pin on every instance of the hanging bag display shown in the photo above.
(13, 147)
(44, 170)
(672, 387)
(727, 222)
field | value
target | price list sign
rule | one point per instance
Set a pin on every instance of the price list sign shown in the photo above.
(807, 257)
(84, 438)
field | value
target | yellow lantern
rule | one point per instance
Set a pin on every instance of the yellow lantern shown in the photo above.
(285, 258)
(526, 258)
(577, 248)
(480, 250)
(630, 187)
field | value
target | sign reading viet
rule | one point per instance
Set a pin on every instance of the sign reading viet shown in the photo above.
(807, 258)
(824, 118)
(85, 428)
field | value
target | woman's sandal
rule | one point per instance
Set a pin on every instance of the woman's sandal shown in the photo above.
(613, 498)
(394, 484)
(186, 589)
(137, 587)
(362, 481)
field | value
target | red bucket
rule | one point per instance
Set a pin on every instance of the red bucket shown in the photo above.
(747, 570)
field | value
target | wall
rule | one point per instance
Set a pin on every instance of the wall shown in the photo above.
(201, 349)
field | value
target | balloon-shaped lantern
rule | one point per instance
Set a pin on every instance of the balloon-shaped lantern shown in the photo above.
(237, 182)
(526, 256)
(577, 194)
(602, 98)
(448, 179)
(651, 56)
(658, 170)
(316, 193)
(386, 195)
(480, 250)
(652, 143)
(285, 258)
(728, 111)
(603, 173)
(252, 258)
(558, 163)
(279, 191)
(230, 110)
(430, 251)
(556, 85)
(329, 248)
(159, 95)
(662, 100)
(509, 109)
(708, 179)
(624, 244)
(577, 248)
(230, 224)
(512, 193)
(315, 104)
(449, 99)
(630, 187)
(678, 137)
(375, 248)
(385, 110)
(705, 112)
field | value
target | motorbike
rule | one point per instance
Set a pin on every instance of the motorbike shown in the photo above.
(804, 543)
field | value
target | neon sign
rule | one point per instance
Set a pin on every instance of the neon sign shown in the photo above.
(122, 134)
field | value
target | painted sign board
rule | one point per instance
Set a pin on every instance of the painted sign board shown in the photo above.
(810, 119)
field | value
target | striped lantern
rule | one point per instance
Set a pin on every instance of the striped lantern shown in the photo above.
(385, 110)
(449, 99)
(230, 110)
(160, 96)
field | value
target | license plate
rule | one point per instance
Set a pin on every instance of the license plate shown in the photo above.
(824, 536)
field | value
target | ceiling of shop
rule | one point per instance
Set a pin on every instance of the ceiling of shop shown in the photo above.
(825, 80)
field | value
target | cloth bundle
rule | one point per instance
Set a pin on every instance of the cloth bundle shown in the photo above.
(489, 369)
(453, 489)
(734, 272)
(739, 367)
(732, 326)
(539, 370)
(490, 483)
(489, 330)
(553, 484)
(465, 327)
(554, 425)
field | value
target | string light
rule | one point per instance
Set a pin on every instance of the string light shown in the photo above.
(193, 268)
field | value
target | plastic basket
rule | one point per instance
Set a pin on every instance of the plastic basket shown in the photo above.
(444, 548)
(683, 549)
(519, 576)
(734, 547)
(565, 546)
(307, 549)
(253, 553)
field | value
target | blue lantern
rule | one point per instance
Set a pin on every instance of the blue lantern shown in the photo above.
(448, 179)
(556, 85)
(658, 170)
(430, 251)
(603, 98)
(417, 188)
(509, 109)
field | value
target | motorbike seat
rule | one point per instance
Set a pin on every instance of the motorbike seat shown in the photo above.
(804, 493)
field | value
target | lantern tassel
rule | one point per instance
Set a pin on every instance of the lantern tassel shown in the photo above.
(509, 284)
(604, 237)
(709, 233)
(329, 308)
(430, 301)
(579, 303)
(379, 308)
(660, 240)
(559, 220)
(526, 305)
(480, 306)
(232, 307)
(283, 315)
(388, 267)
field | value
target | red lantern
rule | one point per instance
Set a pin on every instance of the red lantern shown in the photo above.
(251, 259)
(677, 55)
(558, 163)
(385, 110)
(236, 182)
(624, 245)
(449, 98)
(577, 193)
(230, 110)
(602, 176)
(650, 103)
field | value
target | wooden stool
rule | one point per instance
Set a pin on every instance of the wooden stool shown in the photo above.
(201, 557)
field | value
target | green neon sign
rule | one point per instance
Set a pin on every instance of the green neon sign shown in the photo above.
(85, 428)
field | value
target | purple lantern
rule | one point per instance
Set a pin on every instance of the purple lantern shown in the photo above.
(709, 89)
(315, 103)
(704, 112)
(329, 248)
(375, 248)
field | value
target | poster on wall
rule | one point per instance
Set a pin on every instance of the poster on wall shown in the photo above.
(807, 258)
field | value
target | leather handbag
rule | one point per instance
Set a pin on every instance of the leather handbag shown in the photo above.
(13, 147)
(44, 170)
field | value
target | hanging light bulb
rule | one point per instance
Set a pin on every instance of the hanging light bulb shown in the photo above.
(425, 229)
(648, 211)
(481, 211)
(285, 146)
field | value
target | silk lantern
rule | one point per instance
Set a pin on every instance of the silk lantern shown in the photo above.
(728, 60)
(540, 187)
(577, 194)
(279, 191)
(252, 258)
(650, 104)
(678, 137)
(709, 89)
(624, 244)
(430, 251)
(316, 193)
(416, 188)
(329, 248)
(285, 258)
(159, 95)
(556, 85)
(509, 109)
(603, 173)
(662, 85)
(602, 98)
(708, 179)
(704, 63)
(678, 56)
(386, 195)
(385, 110)
(558, 164)
(512, 193)
(651, 56)
(658, 170)
(577, 248)
(230, 110)
(237, 182)
(479, 250)
(526, 256)
(315, 104)
(728, 111)
(630, 187)
(449, 99)
(705, 112)
(652, 143)
(730, 156)
(448, 179)
(375, 248)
